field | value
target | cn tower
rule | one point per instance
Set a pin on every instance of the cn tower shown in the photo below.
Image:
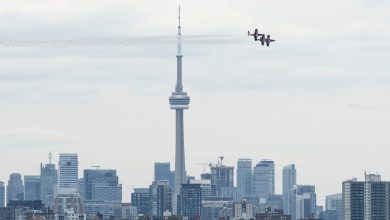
(179, 101)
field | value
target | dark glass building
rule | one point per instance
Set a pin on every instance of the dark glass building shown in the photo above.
(190, 201)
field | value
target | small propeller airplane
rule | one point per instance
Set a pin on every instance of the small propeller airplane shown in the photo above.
(267, 40)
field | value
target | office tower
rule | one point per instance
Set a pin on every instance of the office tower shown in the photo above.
(15, 188)
(190, 201)
(289, 180)
(179, 101)
(264, 179)
(305, 202)
(49, 182)
(244, 177)
(2, 194)
(162, 171)
(243, 209)
(222, 178)
(160, 197)
(335, 203)
(102, 185)
(68, 166)
(369, 199)
(32, 187)
(140, 199)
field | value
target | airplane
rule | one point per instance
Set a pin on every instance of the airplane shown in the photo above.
(265, 40)
(255, 34)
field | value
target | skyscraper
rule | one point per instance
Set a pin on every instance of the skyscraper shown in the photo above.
(244, 177)
(15, 188)
(2, 194)
(264, 179)
(68, 167)
(102, 185)
(160, 195)
(335, 203)
(369, 199)
(190, 201)
(162, 171)
(32, 187)
(179, 101)
(49, 182)
(289, 180)
(140, 199)
(305, 202)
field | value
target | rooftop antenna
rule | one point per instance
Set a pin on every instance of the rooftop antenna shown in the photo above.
(50, 156)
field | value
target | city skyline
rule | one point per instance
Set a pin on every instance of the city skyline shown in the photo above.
(313, 98)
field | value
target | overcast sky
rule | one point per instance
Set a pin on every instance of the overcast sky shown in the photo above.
(94, 77)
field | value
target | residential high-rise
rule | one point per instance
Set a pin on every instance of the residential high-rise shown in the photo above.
(32, 187)
(179, 101)
(140, 199)
(305, 202)
(49, 182)
(68, 166)
(264, 179)
(289, 180)
(15, 188)
(102, 185)
(190, 201)
(162, 171)
(366, 200)
(68, 205)
(222, 178)
(244, 177)
(80, 187)
(2, 194)
(160, 197)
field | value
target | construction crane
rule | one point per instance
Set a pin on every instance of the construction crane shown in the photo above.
(97, 167)
(204, 166)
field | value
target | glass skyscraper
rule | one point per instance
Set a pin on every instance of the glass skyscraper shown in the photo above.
(264, 179)
(102, 185)
(68, 173)
(244, 177)
(49, 180)
(32, 187)
(289, 180)
(162, 171)
(15, 188)
(222, 178)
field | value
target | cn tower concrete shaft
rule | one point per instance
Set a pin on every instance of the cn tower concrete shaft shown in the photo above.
(179, 101)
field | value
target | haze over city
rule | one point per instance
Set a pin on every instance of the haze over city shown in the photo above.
(94, 77)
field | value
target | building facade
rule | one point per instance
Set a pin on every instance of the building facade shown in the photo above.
(162, 171)
(160, 198)
(305, 202)
(102, 185)
(222, 178)
(2, 194)
(32, 187)
(49, 183)
(68, 166)
(264, 179)
(190, 201)
(244, 177)
(15, 187)
(140, 199)
(366, 200)
(289, 180)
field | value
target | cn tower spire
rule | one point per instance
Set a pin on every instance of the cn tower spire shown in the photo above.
(179, 101)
